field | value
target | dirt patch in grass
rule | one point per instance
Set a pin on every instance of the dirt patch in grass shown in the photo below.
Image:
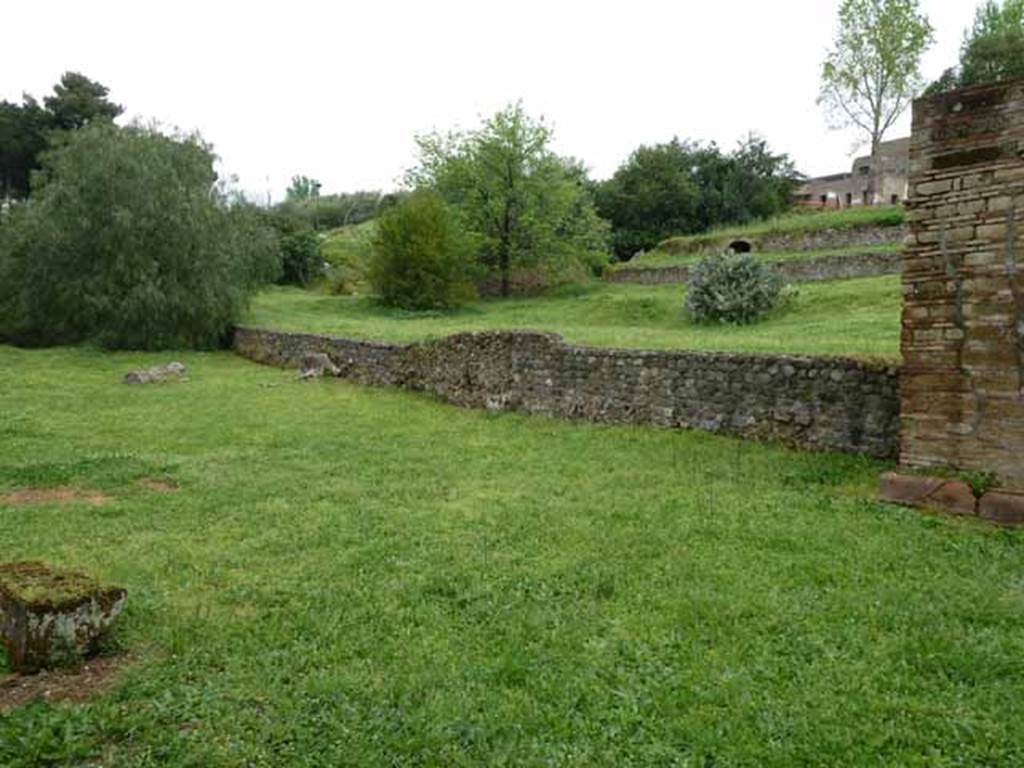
(158, 485)
(94, 678)
(27, 497)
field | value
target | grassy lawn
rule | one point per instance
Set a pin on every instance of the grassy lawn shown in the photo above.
(795, 222)
(850, 317)
(350, 576)
(665, 259)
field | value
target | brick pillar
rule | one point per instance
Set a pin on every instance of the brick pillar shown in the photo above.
(963, 285)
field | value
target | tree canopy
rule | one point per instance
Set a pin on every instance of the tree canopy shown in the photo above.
(26, 128)
(128, 241)
(993, 48)
(872, 72)
(422, 258)
(683, 187)
(303, 188)
(524, 205)
(78, 101)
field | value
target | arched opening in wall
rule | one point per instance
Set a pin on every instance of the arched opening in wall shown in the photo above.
(849, 199)
(740, 246)
(895, 199)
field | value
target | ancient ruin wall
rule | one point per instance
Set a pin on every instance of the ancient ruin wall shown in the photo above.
(811, 402)
(963, 281)
(815, 240)
(817, 269)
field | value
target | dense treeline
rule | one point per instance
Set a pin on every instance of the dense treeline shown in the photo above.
(322, 212)
(992, 49)
(26, 129)
(684, 187)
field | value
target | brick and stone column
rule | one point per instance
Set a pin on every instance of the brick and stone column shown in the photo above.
(963, 284)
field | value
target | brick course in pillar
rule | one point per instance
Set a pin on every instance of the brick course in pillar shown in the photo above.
(962, 383)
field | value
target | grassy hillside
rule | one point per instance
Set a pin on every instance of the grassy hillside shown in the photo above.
(347, 251)
(348, 576)
(852, 317)
(796, 222)
(665, 259)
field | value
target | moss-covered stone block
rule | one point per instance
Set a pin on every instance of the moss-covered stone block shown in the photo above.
(51, 617)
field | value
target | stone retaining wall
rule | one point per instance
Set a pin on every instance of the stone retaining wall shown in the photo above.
(835, 267)
(818, 403)
(818, 240)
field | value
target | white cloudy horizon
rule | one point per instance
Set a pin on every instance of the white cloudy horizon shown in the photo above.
(337, 91)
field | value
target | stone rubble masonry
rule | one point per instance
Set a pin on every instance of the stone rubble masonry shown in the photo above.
(810, 402)
(815, 269)
(816, 240)
(963, 283)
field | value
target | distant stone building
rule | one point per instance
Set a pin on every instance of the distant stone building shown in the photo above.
(845, 190)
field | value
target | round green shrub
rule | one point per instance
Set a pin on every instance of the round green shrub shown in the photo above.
(421, 257)
(732, 288)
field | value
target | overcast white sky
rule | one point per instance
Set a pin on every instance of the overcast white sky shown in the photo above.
(337, 90)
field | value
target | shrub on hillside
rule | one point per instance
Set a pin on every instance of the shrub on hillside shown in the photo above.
(526, 207)
(421, 257)
(301, 262)
(128, 241)
(732, 288)
(298, 247)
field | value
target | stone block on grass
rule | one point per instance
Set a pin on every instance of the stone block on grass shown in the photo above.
(1003, 507)
(51, 617)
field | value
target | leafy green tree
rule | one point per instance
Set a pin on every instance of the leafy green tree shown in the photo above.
(993, 48)
(298, 246)
(331, 211)
(653, 195)
(303, 188)
(526, 206)
(683, 187)
(873, 70)
(421, 257)
(126, 240)
(26, 129)
(78, 101)
(23, 136)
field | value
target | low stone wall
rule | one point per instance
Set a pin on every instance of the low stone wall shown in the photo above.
(819, 240)
(811, 402)
(818, 269)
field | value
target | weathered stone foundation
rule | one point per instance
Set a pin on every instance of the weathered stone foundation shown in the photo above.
(51, 617)
(816, 240)
(810, 402)
(816, 269)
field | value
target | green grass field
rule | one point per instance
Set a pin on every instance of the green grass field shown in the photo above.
(350, 576)
(797, 221)
(852, 317)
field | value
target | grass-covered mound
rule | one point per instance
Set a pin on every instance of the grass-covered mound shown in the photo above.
(795, 223)
(346, 251)
(853, 317)
(655, 259)
(350, 576)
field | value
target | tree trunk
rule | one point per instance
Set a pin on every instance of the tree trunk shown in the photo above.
(503, 252)
(876, 143)
(506, 287)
